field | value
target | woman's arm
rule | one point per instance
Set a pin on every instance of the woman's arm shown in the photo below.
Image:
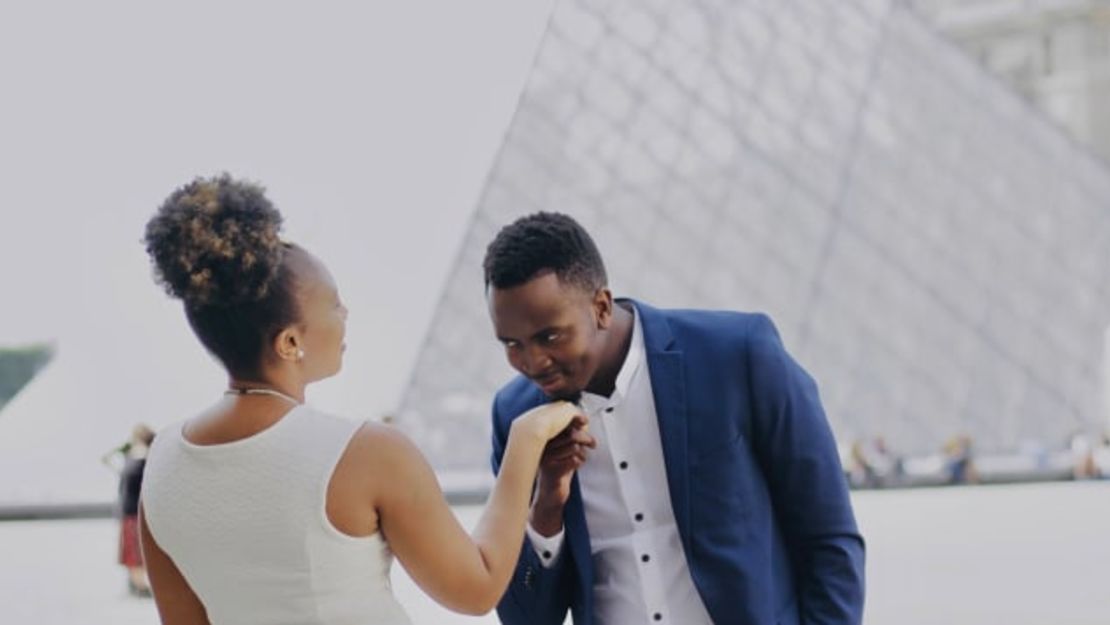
(466, 573)
(176, 601)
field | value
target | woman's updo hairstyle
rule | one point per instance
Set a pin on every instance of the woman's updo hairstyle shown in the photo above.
(214, 244)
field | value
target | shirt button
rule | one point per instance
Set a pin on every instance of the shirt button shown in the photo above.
(546, 555)
(623, 465)
(609, 409)
(639, 516)
(645, 558)
(657, 616)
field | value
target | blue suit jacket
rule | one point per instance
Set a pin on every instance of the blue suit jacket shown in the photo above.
(755, 480)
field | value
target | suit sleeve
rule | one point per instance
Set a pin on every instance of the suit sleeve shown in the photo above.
(798, 454)
(537, 595)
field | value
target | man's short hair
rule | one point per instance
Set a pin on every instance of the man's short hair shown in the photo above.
(544, 242)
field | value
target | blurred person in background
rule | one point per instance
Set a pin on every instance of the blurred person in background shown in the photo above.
(131, 459)
(959, 461)
(874, 465)
(1102, 456)
(889, 466)
(861, 473)
(138, 442)
(1083, 465)
(263, 510)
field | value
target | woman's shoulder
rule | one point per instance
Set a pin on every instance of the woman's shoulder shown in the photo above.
(387, 460)
(382, 441)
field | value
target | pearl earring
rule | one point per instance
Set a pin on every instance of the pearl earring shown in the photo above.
(300, 354)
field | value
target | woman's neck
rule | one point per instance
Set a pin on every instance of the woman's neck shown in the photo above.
(281, 384)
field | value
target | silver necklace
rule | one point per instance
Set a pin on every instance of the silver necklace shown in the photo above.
(261, 391)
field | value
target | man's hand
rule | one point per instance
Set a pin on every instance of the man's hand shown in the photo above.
(561, 458)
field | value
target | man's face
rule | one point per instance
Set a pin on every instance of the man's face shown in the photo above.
(551, 332)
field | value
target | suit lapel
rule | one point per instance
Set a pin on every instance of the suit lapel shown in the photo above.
(666, 366)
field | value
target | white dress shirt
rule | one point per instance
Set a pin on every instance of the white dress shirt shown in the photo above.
(641, 574)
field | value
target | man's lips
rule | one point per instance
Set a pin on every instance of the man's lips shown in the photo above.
(547, 380)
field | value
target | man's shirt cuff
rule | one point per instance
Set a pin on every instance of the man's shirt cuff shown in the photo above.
(547, 548)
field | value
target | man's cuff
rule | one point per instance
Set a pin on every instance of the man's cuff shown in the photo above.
(546, 548)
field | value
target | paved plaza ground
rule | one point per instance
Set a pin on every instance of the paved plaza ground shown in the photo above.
(1035, 554)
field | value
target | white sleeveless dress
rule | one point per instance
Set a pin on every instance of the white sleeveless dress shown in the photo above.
(245, 523)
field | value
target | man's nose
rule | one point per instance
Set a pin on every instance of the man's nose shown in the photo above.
(535, 360)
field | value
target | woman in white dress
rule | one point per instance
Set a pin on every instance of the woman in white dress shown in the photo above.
(261, 510)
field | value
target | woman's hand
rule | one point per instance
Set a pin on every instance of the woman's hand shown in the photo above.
(549, 420)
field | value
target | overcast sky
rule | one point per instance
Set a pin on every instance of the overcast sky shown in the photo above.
(372, 124)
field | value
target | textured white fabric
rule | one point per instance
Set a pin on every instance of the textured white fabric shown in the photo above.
(245, 523)
(628, 509)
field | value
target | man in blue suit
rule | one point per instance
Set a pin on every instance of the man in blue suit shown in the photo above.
(707, 487)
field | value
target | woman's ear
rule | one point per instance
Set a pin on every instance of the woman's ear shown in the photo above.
(287, 345)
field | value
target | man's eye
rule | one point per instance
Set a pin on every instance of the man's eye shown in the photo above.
(551, 338)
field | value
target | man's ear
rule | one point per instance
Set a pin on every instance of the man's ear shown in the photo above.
(603, 307)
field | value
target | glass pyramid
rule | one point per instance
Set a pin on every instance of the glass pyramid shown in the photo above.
(931, 248)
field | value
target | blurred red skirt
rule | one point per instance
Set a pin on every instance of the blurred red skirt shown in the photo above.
(130, 554)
